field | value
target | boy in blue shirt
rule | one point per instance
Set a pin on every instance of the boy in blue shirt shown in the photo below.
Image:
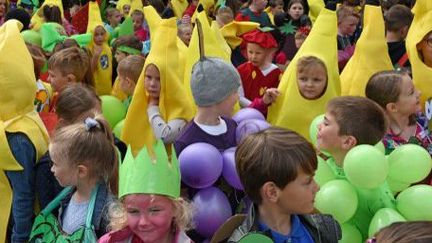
(276, 167)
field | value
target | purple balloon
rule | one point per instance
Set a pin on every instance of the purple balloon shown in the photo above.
(229, 171)
(200, 165)
(250, 126)
(212, 209)
(246, 114)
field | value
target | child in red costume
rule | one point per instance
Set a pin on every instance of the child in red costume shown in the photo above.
(259, 75)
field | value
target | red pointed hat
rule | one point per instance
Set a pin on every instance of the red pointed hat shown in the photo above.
(263, 39)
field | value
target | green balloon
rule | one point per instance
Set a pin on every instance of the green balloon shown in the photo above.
(32, 37)
(313, 128)
(338, 198)
(118, 128)
(113, 109)
(365, 166)
(415, 203)
(380, 147)
(255, 238)
(397, 186)
(350, 234)
(324, 173)
(384, 217)
(409, 163)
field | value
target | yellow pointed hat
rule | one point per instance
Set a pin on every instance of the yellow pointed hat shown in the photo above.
(370, 55)
(121, 3)
(422, 74)
(94, 17)
(315, 7)
(153, 19)
(179, 6)
(291, 110)
(172, 104)
(136, 5)
(37, 18)
(233, 30)
(17, 113)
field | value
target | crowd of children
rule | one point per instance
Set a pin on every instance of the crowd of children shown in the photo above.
(66, 176)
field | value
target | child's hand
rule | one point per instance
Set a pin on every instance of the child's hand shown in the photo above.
(270, 95)
(97, 50)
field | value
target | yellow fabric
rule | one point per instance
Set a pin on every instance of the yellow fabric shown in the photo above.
(233, 30)
(17, 114)
(103, 74)
(37, 19)
(153, 19)
(315, 7)
(220, 39)
(121, 3)
(270, 14)
(370, 55)
(136, 5)
(212, 49)
(117, 92)
(291, 110)
(207, 5)
(179, 6)
(182, 55)
(422, 74)
(137, 131)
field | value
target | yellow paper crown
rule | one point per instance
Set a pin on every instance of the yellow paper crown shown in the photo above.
(289, 109)
(421, 25)
(365, 62)
(172, 104)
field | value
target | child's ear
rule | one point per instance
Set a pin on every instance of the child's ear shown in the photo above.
(270, 192)
(391, 107)
(82, 171)
(71, 78)
(348, 142)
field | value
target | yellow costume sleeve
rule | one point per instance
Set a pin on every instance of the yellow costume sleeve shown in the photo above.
(291, 110)
(17, 114)
(315, 7)
(422, 74)
(137, 131)
(370, 55)
(103, 74)
(37, 18)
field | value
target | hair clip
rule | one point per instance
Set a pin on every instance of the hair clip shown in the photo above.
(91, 123)
(371, 240)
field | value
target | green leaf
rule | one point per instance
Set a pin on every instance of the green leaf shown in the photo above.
(288, 28)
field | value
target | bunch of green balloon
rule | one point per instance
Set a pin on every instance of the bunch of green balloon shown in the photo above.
(313, 128)
(338, 198)
(350, 234)
(113, 109)
(118, 128)
(415, 203)
(324, 173)
(365, 166)
(384, 217)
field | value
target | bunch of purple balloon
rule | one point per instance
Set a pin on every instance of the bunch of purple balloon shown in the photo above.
(201, 165)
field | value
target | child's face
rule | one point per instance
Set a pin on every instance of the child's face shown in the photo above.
(115, 19)
(296, 10)
(348, 25)
(126, 85)
(303, 188)
(328, 137)
(57, 79)
(312, 81)
(409, 98)
(226, 107)
(119, 55)
(425, 49)
(152, 81)
(65, 174)
(186, 35)
(137, 21)
(99, 35)
(260, 5)
(277, 9)
(299, 42)
(126, 9)
(256, 55)
(149, 216)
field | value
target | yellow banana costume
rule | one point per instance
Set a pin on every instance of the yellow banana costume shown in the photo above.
(37, 19)
(137, 131)
(179, 6)
(233, 30)
(270, 14)
(121, 3)
(103, 73)
(370, 55)
(315, 7)
(293, 111)
(422, 74)
(17, 113)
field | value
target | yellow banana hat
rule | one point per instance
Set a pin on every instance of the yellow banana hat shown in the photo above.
(103, 73)
(179, 6)
(121, 3)
(234, 29)
(293, 111)
(172, 102)
(315, 7)
(370, 55)
(422, 74)
(17, 114)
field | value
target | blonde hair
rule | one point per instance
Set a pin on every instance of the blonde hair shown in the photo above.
(74, 61)
(306, 62)
(91, 145)
(344, 12)
(182, 214)
(131, 67)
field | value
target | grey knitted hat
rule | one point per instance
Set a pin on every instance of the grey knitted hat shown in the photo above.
(213, 80)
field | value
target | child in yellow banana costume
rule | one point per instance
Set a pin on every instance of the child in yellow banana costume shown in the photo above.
(23, 137)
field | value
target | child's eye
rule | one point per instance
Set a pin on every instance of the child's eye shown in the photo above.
(132, 211)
